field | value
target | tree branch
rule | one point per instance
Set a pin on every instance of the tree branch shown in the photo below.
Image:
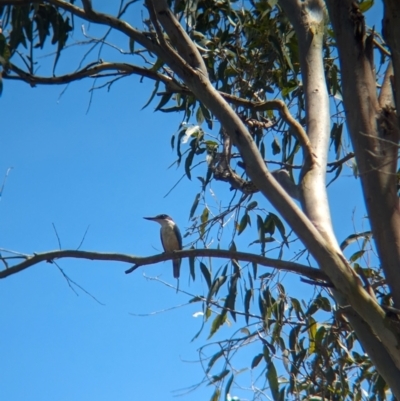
(370, 129)
(92, 70)
(308, 19)
(31, 260)
(391, 33)
(284, 112)
(386, 94)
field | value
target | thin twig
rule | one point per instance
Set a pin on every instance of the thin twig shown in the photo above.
(69, 281)
(58, 238)
(83, 238)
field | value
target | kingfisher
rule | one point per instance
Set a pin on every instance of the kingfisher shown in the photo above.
(171, 238)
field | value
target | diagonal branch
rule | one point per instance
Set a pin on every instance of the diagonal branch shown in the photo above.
(49, 257)
(370, 128)
(308, 19)
(284, 112)
(92, 70)
(391, 32)
(323, 246)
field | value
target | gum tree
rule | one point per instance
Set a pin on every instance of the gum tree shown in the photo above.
(252, 71)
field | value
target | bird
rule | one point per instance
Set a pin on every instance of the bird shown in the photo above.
(171, 238)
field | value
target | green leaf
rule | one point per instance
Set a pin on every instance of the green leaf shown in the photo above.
(217, 323)
(61, 28)
(261, 233)
(203, 219)
(254, 265)
(156, 85)
(188, 163)
(194, 206)
(131, 45)
(269, 225)
(243, 223)
(251, 205)
(214, 359)
(199, 116)
(216, 395)
(320, 335)
(354, 237)
(336, 137)
(256, 360)
(164, 100)
(215, 286)
(206, 274)
(279, 225)
(231, 298)
(276, 147)
(196, 299)
(365, 5)
(312, 331)
(324, 304)
(266, 353)
(293, 337)
(4, 50)
(247, 299)
(191, 266)
(207, 116)
(272, 378)
(297, 308)
(356, 255)
(228, 386)
(158, 64)
(219, 377)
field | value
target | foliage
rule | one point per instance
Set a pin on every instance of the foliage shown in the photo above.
(302, 348)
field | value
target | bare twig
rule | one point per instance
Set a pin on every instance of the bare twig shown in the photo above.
(4, 181)
(83, 238)
(334, 165)
(70, 282)
(58, 237)
(205, 299)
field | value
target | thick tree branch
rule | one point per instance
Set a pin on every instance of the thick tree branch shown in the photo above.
(308, 19)
(391, 32)
(386, 94)
(175, 32)
(284, 112)
(31, 260)
(92, 70)
(375, 350)
(370, 129)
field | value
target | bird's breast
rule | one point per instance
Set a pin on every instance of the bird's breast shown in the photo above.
(169, 239)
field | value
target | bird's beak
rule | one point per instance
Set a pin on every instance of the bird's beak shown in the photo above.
(150, 218)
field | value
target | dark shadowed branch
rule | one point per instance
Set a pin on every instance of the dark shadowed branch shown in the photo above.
(137, 261)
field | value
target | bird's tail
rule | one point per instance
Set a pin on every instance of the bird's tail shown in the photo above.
(177, 267)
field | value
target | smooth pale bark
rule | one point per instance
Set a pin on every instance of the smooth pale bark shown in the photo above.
(373, 136)
(308, 19)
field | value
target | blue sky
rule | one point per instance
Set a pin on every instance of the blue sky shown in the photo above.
(105, 168)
